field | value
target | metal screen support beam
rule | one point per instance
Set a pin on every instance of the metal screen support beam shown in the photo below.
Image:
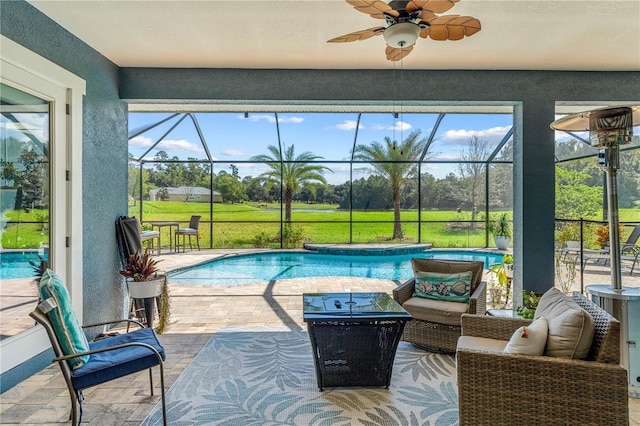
(353, 153)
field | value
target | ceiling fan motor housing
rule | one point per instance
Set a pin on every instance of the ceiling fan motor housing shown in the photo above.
(401, 34)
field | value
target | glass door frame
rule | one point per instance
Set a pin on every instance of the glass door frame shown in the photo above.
(31, 73)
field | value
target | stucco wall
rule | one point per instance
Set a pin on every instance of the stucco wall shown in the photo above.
(104, 150)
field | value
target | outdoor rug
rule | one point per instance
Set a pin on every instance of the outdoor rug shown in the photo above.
(245, 377)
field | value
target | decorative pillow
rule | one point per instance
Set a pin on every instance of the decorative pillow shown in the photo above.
(448, 266)
(447, 287)
(530, 339)
(63, 319)
(571, 328)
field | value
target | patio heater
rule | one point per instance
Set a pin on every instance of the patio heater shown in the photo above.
(609, 128)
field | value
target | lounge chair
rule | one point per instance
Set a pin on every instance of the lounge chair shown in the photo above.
(629, 251)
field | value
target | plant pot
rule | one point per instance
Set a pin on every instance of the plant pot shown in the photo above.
(145, 289)
(508, 269)
(572, 244)
(501, 241)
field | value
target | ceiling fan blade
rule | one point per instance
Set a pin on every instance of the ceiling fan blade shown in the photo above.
(358, 35)
(451, 27)
(375, 8)
(435, 6)
(395, 54)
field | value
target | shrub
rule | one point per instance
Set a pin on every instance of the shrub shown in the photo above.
(292, 237)
(261, 240)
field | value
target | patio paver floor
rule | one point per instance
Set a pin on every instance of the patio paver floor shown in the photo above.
(197, 312)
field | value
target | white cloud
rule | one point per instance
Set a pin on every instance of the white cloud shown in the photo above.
(493, 135)
(401, 125)
(451, 156)
(257, 117)
(140, 141)
(180, 145)
(232, 153)
(398, 126)
(348, 125)
(270, 118)
(292, 119)
(168, 145)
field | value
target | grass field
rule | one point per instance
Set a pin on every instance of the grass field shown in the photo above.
(236, 225)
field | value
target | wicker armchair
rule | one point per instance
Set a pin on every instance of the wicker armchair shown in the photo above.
(495, 388)
(441, 336)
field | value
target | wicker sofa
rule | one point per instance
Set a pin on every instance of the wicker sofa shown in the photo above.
(497, 388)
(436, 325)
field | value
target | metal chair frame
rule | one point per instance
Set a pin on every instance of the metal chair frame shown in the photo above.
(192, 230)
(75, 394)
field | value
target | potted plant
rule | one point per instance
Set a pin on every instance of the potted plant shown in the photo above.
(529, 304)
(507, 264)
(504, 284)
(501, 230)
(569, 234)
(144, 283)
(602, 235)
(142, 278)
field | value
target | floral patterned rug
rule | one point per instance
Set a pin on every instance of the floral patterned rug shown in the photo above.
(244, 377)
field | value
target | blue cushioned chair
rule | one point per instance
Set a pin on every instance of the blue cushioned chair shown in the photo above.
(109, 359)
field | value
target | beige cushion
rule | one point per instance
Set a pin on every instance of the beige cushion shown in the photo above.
(571, 328)
(529, 339)
(481, 344)
(450, 267)
(437, 311)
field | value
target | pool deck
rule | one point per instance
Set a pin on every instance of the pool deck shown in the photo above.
(197, 312)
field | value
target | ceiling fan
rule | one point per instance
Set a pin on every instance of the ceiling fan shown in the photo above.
(408, 20)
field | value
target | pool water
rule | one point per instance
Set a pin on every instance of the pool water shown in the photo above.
(260, 267)
(16, 264)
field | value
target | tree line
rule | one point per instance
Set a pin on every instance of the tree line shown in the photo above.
(390, 179)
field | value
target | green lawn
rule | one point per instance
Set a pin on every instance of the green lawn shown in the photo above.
(323, 224)
(236, 225)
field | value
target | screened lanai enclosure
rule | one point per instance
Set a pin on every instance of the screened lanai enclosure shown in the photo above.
(279, 179)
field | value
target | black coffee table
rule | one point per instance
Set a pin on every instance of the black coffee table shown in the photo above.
(354, 337)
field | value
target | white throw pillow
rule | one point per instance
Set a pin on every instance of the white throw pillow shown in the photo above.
(571, 328)
(530, 339)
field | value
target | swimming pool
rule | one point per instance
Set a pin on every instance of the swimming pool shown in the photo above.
(260, 267)
(16, 264)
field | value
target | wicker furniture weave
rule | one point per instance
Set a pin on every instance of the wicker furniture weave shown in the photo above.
(504, 389)
(353, 345)
(433, 336)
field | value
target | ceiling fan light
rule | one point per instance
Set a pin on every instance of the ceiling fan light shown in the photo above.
(401, 34)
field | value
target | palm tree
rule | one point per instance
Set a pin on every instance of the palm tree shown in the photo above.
(396, 162)
(295, 172)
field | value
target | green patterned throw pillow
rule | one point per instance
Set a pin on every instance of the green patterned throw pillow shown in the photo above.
(63, 318)
(446, 287)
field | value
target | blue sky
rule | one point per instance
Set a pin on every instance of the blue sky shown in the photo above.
(232, 137)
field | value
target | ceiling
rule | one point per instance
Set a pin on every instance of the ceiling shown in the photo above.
(515, 35)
